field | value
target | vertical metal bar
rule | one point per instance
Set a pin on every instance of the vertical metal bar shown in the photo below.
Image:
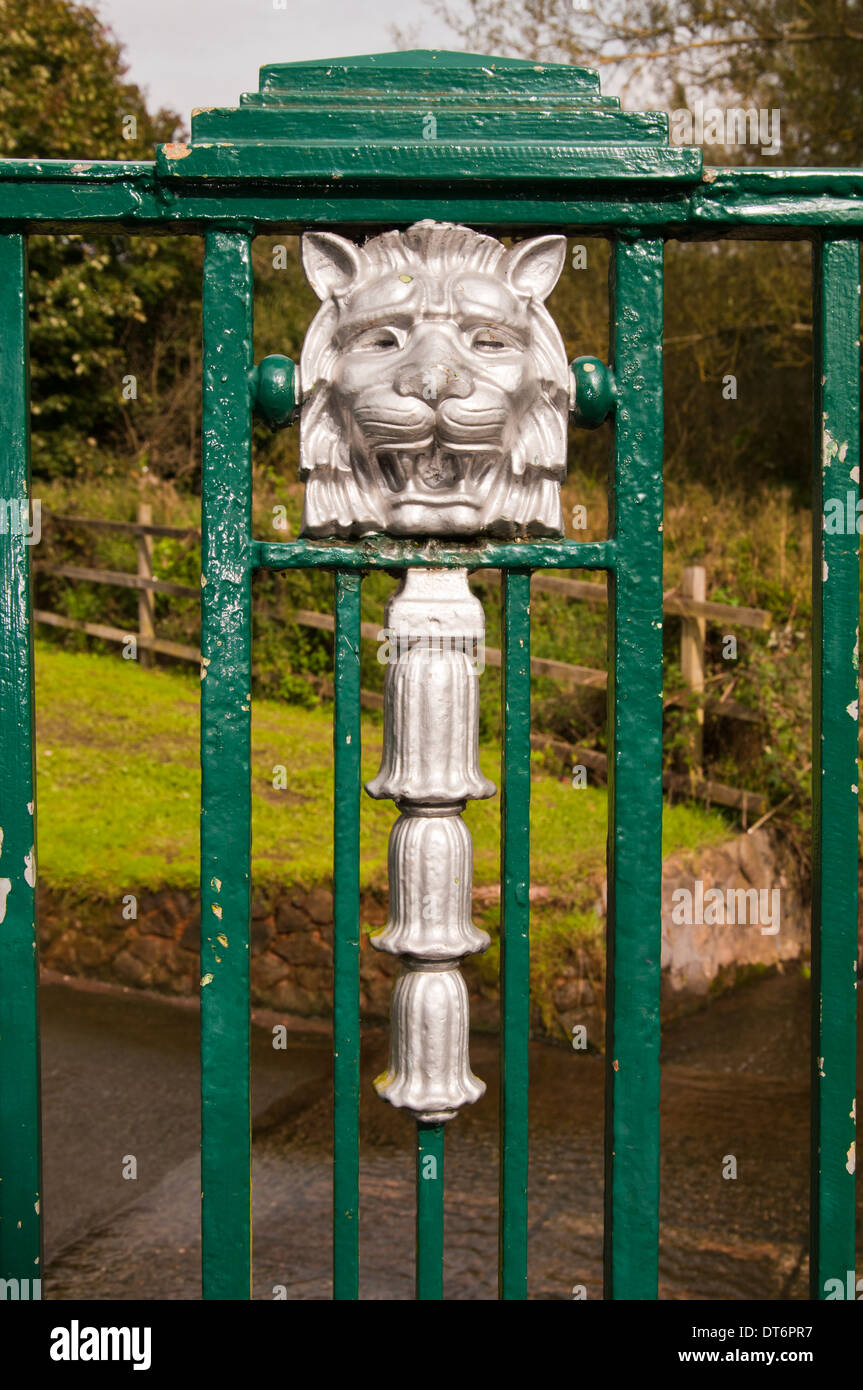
(429, 1257)
(514, 936)
(20, 1152)
(225, 746)
(835, 676)
(346, 937)
(635, 779)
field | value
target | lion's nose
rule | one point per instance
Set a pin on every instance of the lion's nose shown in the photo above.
(434, 379)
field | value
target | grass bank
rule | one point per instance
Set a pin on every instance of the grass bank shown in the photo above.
(118, 788)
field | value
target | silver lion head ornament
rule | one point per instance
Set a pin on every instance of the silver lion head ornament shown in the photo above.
(436, 385)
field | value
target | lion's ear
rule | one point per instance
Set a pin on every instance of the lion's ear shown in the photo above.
(533, 267)
(331, 263)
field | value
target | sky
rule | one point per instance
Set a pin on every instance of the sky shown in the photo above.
(188, 53)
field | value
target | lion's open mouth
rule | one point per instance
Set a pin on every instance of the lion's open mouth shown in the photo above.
(435, 476)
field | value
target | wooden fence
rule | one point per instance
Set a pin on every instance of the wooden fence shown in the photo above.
(689, 603)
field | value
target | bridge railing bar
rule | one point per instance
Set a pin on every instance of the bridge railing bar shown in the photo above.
(514, 935)
(347, 792)
(430, 1212)
(226, 644)
(634, 928)
(20, 1124)
(835, 695)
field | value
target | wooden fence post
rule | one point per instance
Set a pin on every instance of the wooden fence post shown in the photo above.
(146, 597)
(693, 632)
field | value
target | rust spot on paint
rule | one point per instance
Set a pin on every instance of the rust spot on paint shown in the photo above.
(176, 151)
(616, 1064)
(709, 175)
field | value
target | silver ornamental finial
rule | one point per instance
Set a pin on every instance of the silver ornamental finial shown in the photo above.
(437, 393)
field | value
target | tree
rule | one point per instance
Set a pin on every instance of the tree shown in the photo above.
(103, 308)
(802, 57)
(734, 308)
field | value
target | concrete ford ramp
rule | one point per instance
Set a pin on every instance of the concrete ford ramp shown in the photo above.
(121, 1079)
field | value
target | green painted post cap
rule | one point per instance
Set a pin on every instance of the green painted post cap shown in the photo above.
(594, 392)
(273, 387)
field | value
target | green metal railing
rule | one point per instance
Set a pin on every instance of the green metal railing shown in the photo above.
(638, 205)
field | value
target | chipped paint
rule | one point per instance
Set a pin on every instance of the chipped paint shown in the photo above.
(176, 150)
(851, 1157)
(30, 867)
(5, 890)
(222, 940)
(206, 980)
(853, 709)
(216, 884)
(217, 910)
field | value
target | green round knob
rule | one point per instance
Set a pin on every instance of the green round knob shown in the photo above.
(594, 392)
(274, 390)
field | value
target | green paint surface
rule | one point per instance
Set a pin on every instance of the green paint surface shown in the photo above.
(50, 195)
(20, 1154)
(225, 747)
(429, 1212)
(514, 935)
(381, 552)
(835, 694)
(635, 778)
(346, 938)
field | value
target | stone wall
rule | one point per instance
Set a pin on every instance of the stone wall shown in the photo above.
(292, 933)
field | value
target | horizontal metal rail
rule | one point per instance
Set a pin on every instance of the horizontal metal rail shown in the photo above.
(50, 195)
(383, 553)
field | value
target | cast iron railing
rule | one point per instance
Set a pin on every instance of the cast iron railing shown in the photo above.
(532, 147)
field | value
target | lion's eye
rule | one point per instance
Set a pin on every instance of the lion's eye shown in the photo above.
(376, 340)
(489, 340)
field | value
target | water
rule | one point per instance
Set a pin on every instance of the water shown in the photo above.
(121, 1079)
